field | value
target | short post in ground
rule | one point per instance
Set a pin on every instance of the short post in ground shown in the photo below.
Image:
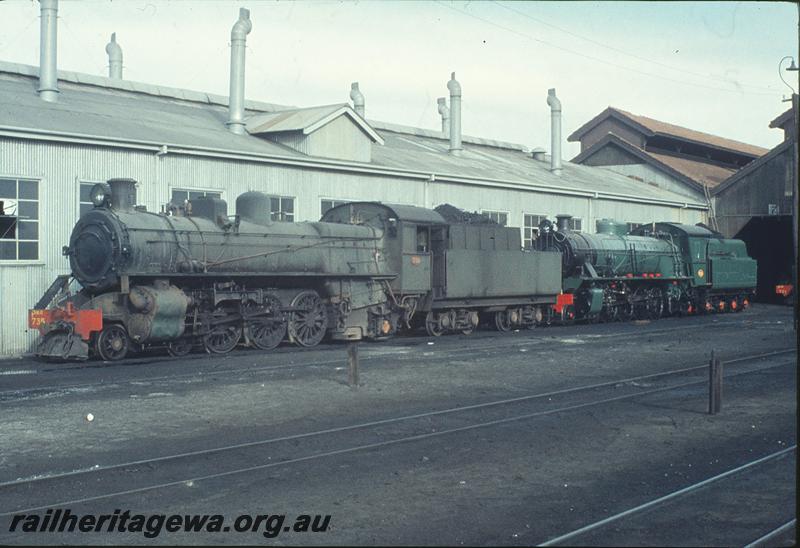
(714, 385)
(352, 364)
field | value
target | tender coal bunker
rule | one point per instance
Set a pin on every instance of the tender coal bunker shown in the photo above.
(769, 241)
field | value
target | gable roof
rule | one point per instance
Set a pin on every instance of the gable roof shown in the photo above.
(752, 166)
(307, 120)
(692, 172)
(650, 128)
(782, 119)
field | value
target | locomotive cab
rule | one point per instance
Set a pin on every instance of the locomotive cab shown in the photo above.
(414, 240)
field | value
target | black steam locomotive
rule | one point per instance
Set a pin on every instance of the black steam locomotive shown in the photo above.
(203, 277)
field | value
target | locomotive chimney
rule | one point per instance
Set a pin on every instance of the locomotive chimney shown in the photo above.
(239, 34)
(562, 222)
(48, 39)
(114, 58)
(445, 113)
(358, 99)
(123, 194)
(555, 131)
(455, 115)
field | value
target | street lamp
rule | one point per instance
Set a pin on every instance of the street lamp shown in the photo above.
(796, 117)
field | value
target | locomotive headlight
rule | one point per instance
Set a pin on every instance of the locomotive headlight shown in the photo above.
(100, 194)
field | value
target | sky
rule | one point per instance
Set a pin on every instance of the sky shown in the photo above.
(709, 66)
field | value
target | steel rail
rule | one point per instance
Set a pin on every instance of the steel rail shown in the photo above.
(516, 399)
(665, 498)
(772, 534)
(366, 357)
(353, 449)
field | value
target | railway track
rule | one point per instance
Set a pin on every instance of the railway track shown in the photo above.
(166, 471)
(372, 353)
(693, 500)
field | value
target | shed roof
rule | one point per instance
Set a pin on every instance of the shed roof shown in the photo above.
(753, 166)
(781, 120)
(651, 127)
(102, 112)
(692, 172)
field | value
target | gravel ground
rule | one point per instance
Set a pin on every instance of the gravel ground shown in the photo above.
(519, 482)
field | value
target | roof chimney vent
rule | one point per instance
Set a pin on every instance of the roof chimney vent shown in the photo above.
(48, 47)
(555, 131)
(445, 113)
(538, 154)
(455, 115)
(114, 58)
(239, 33)
(358, 99)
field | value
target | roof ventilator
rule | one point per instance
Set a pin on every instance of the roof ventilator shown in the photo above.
(455, 115)
(239, 33)
(358, 99)
(538, 154)
(445, 114)
(48, 48)
(555, 131)
(114, 58)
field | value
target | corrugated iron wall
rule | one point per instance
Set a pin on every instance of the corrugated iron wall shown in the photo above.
(60, 167)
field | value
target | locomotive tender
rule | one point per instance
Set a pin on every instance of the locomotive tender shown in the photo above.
(204, 277)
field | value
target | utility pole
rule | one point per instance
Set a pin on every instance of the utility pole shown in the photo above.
(796, 114)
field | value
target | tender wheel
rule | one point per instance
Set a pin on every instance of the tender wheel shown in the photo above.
(113, 343)
(179, 348)
(266, 332)
(222, 339)
(469, 330)
(432, 326)
(307, 325)
(501, 321)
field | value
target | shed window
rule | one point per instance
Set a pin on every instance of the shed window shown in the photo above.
(19, 220)
(325, 205)
(281, 208)
(576, 224)
(85, 196)
(633, 226)
(182, 195)
(500, 217)
(530, 231)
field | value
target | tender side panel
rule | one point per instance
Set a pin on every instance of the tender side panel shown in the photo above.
(503, 273)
